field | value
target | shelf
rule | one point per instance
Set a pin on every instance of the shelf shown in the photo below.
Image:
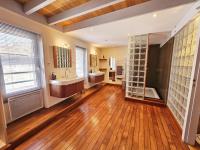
(102, 68)
(103, 59)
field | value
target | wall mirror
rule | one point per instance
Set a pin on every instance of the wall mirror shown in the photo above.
(93, 60)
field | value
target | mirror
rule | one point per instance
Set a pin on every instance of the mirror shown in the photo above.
(93, 60)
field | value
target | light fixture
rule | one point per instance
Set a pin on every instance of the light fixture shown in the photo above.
(154, 15)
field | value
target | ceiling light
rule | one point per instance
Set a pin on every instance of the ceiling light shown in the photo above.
(154, 15)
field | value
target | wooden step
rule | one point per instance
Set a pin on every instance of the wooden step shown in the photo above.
(76, 102)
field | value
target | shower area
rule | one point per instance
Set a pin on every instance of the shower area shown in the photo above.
(169, 73)
(148, 68)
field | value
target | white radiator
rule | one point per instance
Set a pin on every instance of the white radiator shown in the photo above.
(24, 104)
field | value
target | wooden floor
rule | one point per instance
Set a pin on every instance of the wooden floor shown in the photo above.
(22, 126)
(107, 121)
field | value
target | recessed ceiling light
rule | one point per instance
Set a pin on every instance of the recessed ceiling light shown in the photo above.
(154, 15)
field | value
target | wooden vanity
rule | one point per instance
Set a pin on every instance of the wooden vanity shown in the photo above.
(64, 89)
(96, 77)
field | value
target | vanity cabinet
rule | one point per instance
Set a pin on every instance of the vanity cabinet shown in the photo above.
(63, 91)
(96, 79)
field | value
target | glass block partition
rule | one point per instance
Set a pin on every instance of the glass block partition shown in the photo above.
(184, 52)
(136, 66)
(62, 57)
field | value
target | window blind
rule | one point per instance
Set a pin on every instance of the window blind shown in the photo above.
(19, 59)
(80, 61)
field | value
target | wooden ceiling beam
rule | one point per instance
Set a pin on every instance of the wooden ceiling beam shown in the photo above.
(139, 9)
(35, 5)
(81, 10)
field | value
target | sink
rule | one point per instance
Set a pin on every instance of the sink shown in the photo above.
(63, 88)
(96, 77)
(96, 74)
(66, 81)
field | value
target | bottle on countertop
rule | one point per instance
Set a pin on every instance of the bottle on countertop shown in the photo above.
(53, 76)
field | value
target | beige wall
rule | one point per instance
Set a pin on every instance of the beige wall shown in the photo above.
(120, 54)
(49, 37)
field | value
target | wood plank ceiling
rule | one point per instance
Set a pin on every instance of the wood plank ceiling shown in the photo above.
(59, 6)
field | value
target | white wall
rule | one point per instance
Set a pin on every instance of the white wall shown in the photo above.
(49, 37)
(120, 53)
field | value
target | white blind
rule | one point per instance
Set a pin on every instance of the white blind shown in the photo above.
(80, 61)
(19, 59)
(112, 63)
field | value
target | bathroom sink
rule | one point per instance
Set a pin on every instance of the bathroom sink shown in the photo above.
(96, 74)
(66, 81)
(96, 77)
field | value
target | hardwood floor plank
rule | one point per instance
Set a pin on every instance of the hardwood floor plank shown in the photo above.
(32, 123)
(166, 129)
(107, 121)
(124, 139)
(53, 136)
(103, 135)
(146, 129)
(131, 129)
(115, 129)
(135, 145)
(120, 132)
(174, 129)
(161, 130)
(156, 130)
(78, 131)
(76, 135)
(91, 132)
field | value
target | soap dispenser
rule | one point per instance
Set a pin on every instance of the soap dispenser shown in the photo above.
(53, 76)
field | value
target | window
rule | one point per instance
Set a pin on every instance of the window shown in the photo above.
(80, 61)
(112, 63)
(19, 60)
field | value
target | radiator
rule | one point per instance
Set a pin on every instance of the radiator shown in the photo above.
(24, 104)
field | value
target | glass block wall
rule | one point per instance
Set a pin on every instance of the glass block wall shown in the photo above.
(136, 66)
(184, 52)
